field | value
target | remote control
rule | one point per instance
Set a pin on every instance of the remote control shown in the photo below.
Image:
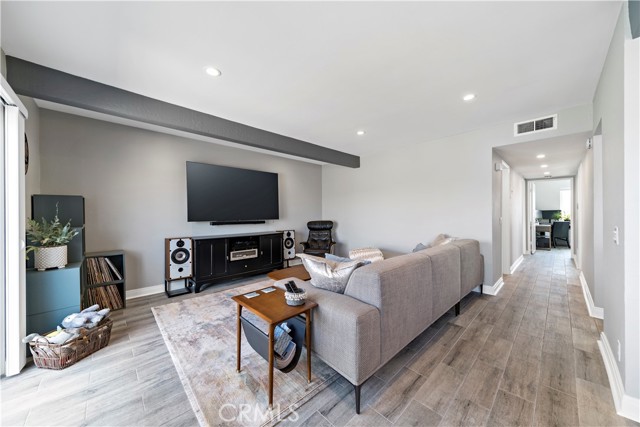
(295, 288)
(288, 286)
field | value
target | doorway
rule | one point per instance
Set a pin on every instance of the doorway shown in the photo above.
(549, 213)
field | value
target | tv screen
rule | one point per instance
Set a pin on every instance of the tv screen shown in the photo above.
(222, 193)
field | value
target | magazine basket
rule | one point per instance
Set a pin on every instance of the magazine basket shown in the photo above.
(60, 356)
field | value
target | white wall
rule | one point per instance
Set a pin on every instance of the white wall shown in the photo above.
(631, 229)
(548, 193)
(410, 194)
(133, 181)
(584, 220)
(619, 182)
(496, 212)
(518, 218)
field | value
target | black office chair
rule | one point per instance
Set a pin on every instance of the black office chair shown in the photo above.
(560, 231)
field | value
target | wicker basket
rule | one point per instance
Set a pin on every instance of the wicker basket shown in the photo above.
(60, 356)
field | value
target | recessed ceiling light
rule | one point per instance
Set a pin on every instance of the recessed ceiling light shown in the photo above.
(469, 97)
(541, 156)
(544, 166)
(547, 173)
(213, 71)
(360, 132)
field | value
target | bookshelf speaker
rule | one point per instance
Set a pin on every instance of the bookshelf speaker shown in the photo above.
(289, 244)
(178, 258)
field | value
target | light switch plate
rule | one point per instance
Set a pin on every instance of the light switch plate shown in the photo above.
(616, 236)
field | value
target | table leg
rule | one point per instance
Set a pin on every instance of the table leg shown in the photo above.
(308, 344)
(271, 338)
(239, 338)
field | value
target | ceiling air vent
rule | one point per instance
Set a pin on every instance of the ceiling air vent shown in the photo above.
(535, 125)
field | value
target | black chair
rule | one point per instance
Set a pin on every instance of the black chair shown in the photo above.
(320, 240)
(560, 231)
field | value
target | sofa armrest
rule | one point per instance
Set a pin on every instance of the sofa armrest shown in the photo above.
(345, 332)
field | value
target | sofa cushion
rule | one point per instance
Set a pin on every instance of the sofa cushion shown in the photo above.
(327, 274)
(445, 266)
(400, 287)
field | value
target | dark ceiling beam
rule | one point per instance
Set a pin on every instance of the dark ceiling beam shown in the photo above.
(36, 81)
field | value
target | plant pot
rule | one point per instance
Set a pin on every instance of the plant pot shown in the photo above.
(50, 257)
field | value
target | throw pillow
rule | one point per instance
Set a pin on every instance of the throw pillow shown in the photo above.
(329, 275)
(419, 247)
(336, 258)
(442, 239)
(367, 255)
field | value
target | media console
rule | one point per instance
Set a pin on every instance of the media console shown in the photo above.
(218, 258)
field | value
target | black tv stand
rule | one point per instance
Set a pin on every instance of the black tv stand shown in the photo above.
(220, 258)
(236, 222)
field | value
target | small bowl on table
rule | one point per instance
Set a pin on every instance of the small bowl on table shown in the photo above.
(295, 298)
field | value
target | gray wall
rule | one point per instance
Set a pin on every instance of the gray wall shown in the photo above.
(608, 110)
(410, 194)
(32, 130)
(134, 184)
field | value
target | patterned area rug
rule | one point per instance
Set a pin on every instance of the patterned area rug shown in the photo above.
(201, 336)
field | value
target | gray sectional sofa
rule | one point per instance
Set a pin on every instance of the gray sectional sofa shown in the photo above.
(389, 303)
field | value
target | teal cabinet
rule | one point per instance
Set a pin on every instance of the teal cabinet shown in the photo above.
(51, 296)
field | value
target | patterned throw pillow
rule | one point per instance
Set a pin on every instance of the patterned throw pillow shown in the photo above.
(326, 274)
(442, 239)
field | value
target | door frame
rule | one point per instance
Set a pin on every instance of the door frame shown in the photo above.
(12, 261)
(505, 216)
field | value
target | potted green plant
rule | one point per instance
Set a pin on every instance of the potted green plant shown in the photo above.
(52, 238)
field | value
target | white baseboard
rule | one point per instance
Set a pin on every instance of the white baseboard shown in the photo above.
(516, 264)
(597, 312)
(143, 292)
(626, 406)
(493, 290)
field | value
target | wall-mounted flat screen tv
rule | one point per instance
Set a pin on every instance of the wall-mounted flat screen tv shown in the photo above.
(225, 194)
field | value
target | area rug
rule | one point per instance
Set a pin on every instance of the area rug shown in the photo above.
(200, 334)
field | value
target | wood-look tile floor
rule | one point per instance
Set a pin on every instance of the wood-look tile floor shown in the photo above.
(525, 357)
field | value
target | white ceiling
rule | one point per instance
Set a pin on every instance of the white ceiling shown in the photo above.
(318, 71)
(562, 156)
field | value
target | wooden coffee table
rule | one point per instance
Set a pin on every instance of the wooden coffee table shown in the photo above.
(297, 271)
(273, 309)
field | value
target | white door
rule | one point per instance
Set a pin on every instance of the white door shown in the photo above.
(531, 216)
(13, 231)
